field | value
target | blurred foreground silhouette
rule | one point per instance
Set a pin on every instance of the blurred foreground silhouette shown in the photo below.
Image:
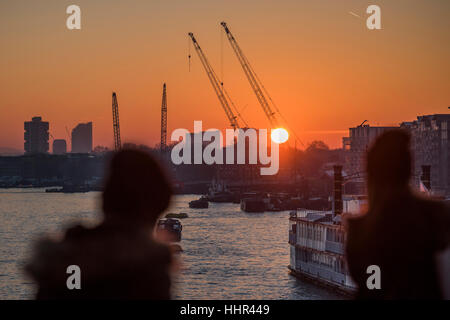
(402, 233)
(119, 258)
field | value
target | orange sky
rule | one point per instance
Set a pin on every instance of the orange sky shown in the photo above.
(325, 70)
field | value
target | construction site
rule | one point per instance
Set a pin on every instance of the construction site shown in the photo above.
(304, 171)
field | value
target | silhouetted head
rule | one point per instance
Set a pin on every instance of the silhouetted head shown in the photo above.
(136, 190)
(389, 161)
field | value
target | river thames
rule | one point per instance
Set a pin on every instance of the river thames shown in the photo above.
(227, 253)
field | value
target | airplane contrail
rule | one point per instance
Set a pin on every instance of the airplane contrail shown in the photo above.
(354, 14)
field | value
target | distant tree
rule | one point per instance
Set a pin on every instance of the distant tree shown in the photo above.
(142, 147)
(129, 145)
(316, 154)
(317, 145)
(100, 149)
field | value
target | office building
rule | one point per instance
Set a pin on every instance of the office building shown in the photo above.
(36, 136)
(357, 143)
(430, 147)
(82, 138)
(59, 146)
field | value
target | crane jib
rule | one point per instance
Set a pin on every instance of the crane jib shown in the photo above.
(255, 83)
(216, 84)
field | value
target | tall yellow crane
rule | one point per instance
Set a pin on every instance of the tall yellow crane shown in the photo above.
(261, 94)
(221, 93)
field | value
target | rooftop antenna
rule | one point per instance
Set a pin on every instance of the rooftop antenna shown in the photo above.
(363, 123)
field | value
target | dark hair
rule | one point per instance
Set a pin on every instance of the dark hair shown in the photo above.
(389, 159)
(136, 188)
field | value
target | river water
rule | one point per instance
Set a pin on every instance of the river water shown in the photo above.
(227, 253)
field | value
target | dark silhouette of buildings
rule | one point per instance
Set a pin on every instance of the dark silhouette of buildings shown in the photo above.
(82, 138)
(59, 146)
(41, 170)
(36, 136)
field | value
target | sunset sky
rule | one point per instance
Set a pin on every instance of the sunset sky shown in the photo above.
(322, 66)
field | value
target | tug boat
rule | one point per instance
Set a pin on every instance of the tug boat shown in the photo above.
(201, 203)
(218, 192)
(169, 230)
(253, 205)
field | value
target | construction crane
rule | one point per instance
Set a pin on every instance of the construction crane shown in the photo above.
(164, 120)
(255, 83)
(217, 85)
(68, 134)
(116, 127)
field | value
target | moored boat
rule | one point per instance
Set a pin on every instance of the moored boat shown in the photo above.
(180, 215)
(169, 230)
(253, 205)
(201, 203)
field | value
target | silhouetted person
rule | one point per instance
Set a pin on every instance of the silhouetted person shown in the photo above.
(401, 232)
(119, 258)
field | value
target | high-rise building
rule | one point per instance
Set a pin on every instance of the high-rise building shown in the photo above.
(430, 147)
(59, 146)
(82, 138)
(36, 136)
(357, 143)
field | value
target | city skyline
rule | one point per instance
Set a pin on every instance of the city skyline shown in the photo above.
(325, 74)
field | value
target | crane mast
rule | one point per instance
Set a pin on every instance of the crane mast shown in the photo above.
(164, 120)
(255, 83)
(216, 84)
(116, 127)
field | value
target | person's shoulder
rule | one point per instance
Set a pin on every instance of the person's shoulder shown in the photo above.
(354, 221)
(75, 232)
(100, 235)
(160, 250)
(356, 229)
(436, 208)
(47, 256)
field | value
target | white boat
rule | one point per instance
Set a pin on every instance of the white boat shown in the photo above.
(317, 245)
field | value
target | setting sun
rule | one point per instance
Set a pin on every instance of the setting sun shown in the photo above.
(279, 135)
